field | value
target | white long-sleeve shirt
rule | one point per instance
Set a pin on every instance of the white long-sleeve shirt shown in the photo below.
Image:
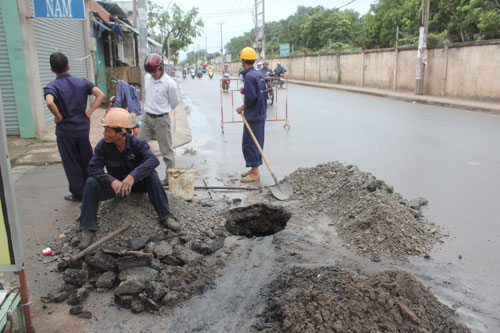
(161, 95)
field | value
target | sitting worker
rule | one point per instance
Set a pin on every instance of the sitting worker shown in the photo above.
(130, 166)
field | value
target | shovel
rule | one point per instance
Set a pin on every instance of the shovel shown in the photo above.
(280, 191)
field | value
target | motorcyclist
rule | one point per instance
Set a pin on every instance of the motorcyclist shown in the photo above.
(259, 66)
(279, 70)
(267, 72)
(226, 73)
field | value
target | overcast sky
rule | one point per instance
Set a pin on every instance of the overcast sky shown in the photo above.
(237, 16)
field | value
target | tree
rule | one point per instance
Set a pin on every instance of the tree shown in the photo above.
(236, 44)
(175, 26)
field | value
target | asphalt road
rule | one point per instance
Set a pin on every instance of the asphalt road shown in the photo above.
(447, 156)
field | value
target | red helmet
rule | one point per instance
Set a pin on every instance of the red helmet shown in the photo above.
(153, 62)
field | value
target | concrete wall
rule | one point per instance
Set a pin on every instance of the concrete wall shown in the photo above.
(467, 70)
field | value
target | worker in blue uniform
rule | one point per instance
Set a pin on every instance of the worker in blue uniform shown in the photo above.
(130, 166)
(66, 98)
(255, 110)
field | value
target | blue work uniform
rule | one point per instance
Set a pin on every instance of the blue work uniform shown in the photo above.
(136, 160)
(72, 133)
(255, 113)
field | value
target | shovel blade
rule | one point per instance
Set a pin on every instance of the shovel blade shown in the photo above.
(282, 191)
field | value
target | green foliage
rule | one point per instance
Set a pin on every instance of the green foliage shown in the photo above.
(318, 30)
(174, 26)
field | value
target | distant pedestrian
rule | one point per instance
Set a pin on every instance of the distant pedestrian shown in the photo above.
(255, 110)
(66, 98)
(161, 98)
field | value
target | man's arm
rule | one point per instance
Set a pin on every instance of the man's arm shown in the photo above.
(97, 164)
(49, 99)
(148, 164)
(99, 96)
(173, 95)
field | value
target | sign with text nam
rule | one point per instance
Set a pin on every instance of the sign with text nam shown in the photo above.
(68, 9)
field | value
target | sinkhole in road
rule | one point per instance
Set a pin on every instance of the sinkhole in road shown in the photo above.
(257, 220)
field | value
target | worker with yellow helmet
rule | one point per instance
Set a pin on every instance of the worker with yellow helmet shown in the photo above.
(130, 166)
(255, 110)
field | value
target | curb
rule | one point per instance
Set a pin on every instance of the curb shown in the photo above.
(469, 105)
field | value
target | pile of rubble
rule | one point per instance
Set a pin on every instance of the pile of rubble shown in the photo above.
(328, 299)
(368, 215)
(146, 266)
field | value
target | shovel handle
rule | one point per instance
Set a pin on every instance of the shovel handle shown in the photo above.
(260, 149)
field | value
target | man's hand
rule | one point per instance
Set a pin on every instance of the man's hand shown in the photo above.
(58, 118)
(126, 186)
(116, 186)
(241, 91)
(88, 114)
(240, 109)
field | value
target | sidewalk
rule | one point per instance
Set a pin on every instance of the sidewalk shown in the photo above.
(44, 151)
(451, 102)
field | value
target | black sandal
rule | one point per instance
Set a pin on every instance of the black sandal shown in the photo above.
(70, 197)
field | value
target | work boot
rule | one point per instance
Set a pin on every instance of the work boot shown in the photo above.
(169, 222)
(86, 237)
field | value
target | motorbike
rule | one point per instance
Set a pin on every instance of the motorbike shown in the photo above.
(279, 82)
(184, 73)
(199, 74)
(270, 92)
(225, 82)
(192, 74)
(210, 73)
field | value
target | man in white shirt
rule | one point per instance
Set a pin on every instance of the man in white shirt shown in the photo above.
(161, 99)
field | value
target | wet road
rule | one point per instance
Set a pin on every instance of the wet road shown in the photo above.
(448, 156)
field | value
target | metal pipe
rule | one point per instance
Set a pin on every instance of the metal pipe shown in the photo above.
(25, 301)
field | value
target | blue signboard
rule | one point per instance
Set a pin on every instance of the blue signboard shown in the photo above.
(68, 9)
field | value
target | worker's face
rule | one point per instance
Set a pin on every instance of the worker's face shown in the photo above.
(110, 136)
(157, 74)
(265, 66)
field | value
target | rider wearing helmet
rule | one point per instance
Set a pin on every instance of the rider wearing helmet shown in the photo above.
(161, 99)
(279, 70)
(255, 109)
(259, 66)
(130, 166)
(226, 74)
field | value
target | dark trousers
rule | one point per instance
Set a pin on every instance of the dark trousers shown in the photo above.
(250, 151)
(76, 153)
(95, 191)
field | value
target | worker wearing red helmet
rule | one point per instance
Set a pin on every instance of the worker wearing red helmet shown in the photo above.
(161, 97)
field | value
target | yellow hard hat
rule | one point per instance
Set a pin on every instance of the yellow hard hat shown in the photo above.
(117, 117)
(248, 54)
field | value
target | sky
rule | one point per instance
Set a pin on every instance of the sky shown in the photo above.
(237, 16)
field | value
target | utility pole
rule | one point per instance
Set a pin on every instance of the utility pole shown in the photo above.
(143, 40)
(260, 38)
(221, 43)
(423, 21)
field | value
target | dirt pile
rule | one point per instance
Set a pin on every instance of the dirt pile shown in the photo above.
(146, 266)
(329, 300)
(369, 217)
